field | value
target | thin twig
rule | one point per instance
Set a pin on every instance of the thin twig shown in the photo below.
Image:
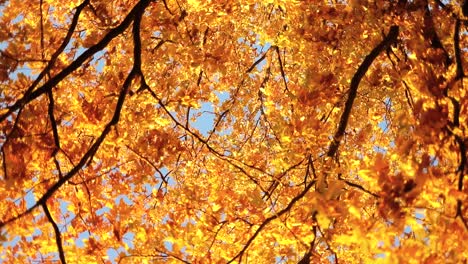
(283, 74)
(271, 218)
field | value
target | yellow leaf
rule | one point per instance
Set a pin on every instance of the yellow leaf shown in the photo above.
(216, 207)
(323, 220)
(354, 211)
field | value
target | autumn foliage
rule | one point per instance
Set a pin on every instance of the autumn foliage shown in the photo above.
(269, 131)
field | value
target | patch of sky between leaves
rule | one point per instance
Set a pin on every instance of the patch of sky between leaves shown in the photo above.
(383, 125)
(206, 117)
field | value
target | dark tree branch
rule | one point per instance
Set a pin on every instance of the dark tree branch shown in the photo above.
(53, 122)
(460, 214)
(271, 218)
(8, 138)
(358, 186)
(386, 42)
(163, 253)
(460, 74)
(456, 45)
(59, 51)
(277, 180)
(88, 156)
(257, 62)
(218, 121)
(163, 177)
(306, 258)
(215, 235)
(200, 77)
(283, 74)
(58, 236)
(32, 95)
(430, 33)
(167, 7)
(409, 97)
(310, 168)
(461, 170)
(41, 17)
(23, 60)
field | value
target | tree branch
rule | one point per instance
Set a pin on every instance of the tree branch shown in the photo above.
(62, 47)
(8, 138)
(58, 236)
(51, 83)
(386, 42)
(163, 177)
(456, 45)
(271, 218)
(282, 69)
(461, 170)
(53, 122)
(306, 258)
(88, 156)
(358, 186)
(206, 144)
(460, 74)
(257, 62)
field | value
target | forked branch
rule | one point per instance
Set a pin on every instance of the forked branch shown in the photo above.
(51, 83)
(88, 156)
(271, 218)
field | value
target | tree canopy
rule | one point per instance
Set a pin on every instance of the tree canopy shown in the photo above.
(269, 131)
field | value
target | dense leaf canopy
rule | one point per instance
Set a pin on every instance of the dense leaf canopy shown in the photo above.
(268, 131)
